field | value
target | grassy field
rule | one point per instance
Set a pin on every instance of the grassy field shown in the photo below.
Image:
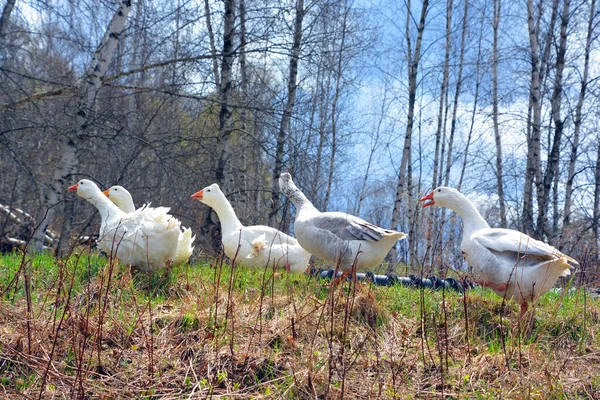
(85, 327)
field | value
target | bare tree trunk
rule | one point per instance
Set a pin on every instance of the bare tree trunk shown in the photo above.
(334, 110)
(499, 174)
(457, 91)
(210, 228)
(555, 212)
(435, 219)
(8, 7)
(90, 85)
(243, 168)
(443, 95)
(412, 245)
(324, 86)
(288, 109)
(596, 213)
(553, 156)
(176, 43)
(533, 141)
(474, 112)
(213, 47)
(527, 215)
(578, 117)
(311, 128)
(413, 68)
(533, 170)
(226, 91)
(136, 59)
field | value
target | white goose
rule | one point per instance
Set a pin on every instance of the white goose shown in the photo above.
(336, 236)
(122, 198)
(256, 245)
(509, 262)
(138, 239)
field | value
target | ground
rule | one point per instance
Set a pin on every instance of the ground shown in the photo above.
(88, 327)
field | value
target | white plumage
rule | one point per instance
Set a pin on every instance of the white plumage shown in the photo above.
(511, 263)
(122, 198)
(335, 236)
(253, 246)
(146, 238)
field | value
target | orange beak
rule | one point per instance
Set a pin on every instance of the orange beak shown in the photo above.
(198, 195)
(429, 201)
(106, 193)
(73, 189)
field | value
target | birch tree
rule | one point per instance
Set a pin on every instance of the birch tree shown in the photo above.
(551, 172)
(596, 211)
(414, 58)
(5, 19)
(533, 171)
(478, 78)
(284, 126)
(457, 91)
(71, 142)
(211, 39)
(496, 122)
(334, 104)
(579, 115)
(226, 92)
(443, 98)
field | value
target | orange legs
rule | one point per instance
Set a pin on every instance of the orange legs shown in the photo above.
(501, 287)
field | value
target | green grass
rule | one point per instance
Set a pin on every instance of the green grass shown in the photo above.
(83, 327)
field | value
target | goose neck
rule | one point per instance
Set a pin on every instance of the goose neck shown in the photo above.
(128, 205)
(466, 210)
(301, 201)
(227, 216)
(106, 207)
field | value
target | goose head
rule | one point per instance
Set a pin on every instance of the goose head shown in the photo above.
(85, 188)
(442, 196)
(287, 186)
(291, 191)
(120, 196)
(210, 195)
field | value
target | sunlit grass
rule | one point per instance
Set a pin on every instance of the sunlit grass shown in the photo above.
(198, 329)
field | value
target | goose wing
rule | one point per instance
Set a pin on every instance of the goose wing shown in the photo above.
(521, 245)
(347, 227)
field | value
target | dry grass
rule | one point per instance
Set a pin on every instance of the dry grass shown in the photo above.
(86, 328)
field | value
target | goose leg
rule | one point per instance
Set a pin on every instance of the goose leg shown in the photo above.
(501, 287)
(524, 307)
(340, 278)
(168, 264)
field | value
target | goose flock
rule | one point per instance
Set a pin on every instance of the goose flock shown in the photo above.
(512, 264)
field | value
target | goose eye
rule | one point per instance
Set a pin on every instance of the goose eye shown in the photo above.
(439, 190)
(208, 190)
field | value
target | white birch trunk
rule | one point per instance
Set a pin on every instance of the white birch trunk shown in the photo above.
(288, 109)
(578, 117)
(495, 61)
(89, 86)
(413, 68)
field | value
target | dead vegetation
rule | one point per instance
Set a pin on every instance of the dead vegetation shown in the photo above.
(86, 328)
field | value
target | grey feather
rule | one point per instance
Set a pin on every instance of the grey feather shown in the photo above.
(347, 227)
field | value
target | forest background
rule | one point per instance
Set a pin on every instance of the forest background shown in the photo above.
(368, 104)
